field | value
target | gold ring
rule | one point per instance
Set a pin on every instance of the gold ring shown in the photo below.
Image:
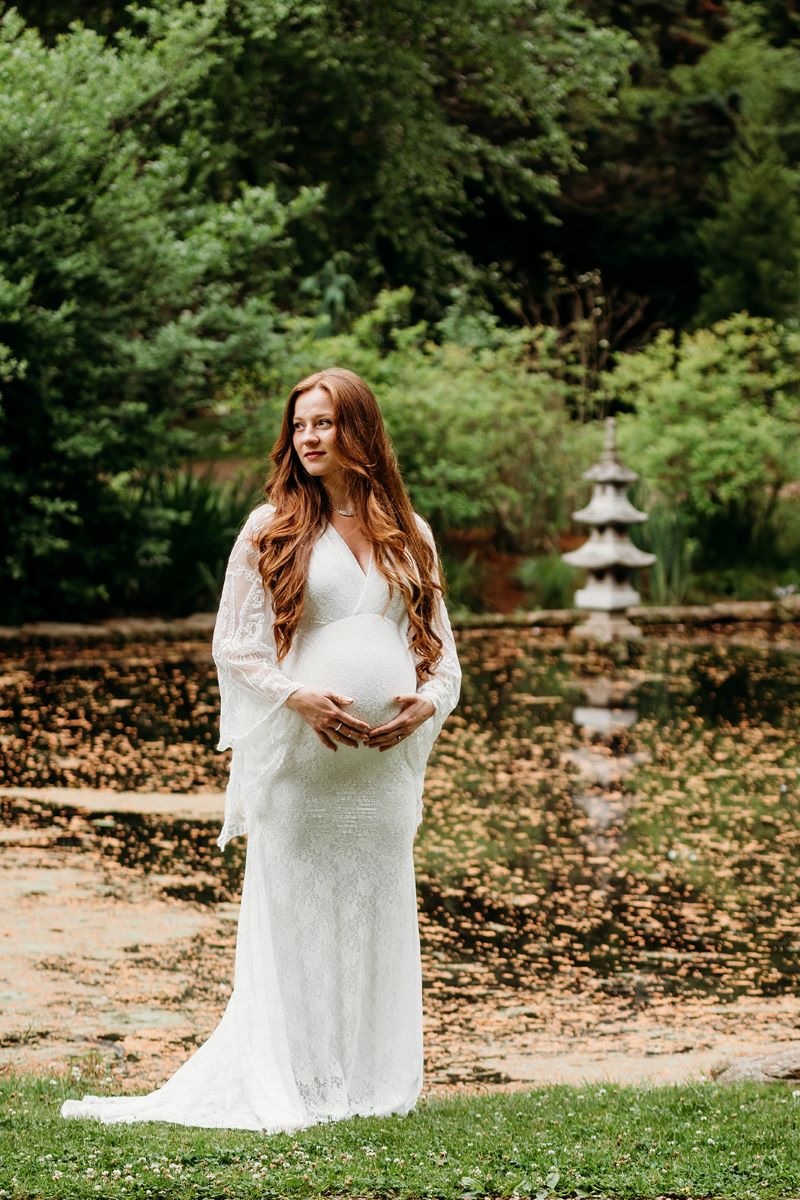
(338, 727)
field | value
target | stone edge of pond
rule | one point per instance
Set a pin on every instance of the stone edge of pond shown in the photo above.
(207, 806)
(200, 625)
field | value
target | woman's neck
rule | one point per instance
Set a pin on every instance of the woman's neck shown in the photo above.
(338, 496)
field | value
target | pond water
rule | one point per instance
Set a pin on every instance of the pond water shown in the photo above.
(623, 819)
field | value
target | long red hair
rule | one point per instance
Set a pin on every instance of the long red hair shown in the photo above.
(302, 508)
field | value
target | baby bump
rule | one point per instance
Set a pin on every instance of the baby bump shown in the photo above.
(352, 796)
(364, 656)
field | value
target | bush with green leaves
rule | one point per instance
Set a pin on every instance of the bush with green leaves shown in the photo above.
(205, 517)
(548, 581)
(480, 427)
(714, 427)
(665, 534)
(127, 295)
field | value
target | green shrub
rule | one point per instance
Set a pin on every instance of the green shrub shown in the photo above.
(480, 430)
(714, 428)
(466, 579)
(202, 519)
(666, 534)
(548, 581)
(745, 581)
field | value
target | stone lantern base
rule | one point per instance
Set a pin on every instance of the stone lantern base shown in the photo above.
(605, 627)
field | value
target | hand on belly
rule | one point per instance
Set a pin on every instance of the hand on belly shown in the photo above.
(364, 659)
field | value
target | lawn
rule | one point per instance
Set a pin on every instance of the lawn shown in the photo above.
(697, 1140)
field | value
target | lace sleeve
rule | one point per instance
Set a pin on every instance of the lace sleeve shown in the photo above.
(443, 688)
(251, 684)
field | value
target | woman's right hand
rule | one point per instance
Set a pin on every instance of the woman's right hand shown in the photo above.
(324, 711)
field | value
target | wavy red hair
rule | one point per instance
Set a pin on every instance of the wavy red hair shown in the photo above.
(302, 509)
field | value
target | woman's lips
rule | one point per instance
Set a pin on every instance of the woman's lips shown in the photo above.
(315, 454)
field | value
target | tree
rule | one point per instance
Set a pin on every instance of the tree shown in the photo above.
(749, 245)
(126, 296)
(424, 120)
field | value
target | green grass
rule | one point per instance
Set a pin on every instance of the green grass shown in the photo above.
(697, 1140)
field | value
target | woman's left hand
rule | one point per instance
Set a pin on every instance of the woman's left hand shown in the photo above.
(415, 710)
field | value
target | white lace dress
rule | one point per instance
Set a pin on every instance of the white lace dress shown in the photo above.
(325, 1018)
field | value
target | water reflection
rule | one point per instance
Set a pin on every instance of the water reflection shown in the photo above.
(623, 821)
(635, 810)
(601, 765)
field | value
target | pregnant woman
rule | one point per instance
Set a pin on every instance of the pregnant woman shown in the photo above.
(337, 669)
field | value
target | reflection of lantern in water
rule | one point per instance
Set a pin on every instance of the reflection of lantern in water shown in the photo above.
(603, 714)
(608, 554)
(599, 792)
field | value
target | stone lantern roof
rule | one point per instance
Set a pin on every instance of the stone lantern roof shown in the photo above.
(609, 507)
(608, 549)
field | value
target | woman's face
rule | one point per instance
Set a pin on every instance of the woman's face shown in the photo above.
(314, 436)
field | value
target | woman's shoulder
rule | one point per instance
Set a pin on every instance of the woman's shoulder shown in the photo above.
(261, 511)
(257, 520)
(424, 528)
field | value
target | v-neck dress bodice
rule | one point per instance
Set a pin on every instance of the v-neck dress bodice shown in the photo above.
(325, 1018)
(331, 528)
(353, 636)
(337, 587)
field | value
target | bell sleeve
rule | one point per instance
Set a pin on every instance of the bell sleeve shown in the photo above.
(442, 688)
(251, 684)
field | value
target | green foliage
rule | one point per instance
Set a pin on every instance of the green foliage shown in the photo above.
(498, 145)
(714, 426)
(418, 120)
(631, 214)
(688, 203)
(202, 518)
(180, 179)
(548, 581)
(126, 296)
(480, 430)
(666, 534)
(466, 578)
(750, 242)
(743, 581)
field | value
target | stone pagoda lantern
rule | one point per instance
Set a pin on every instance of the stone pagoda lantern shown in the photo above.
(608, 554)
